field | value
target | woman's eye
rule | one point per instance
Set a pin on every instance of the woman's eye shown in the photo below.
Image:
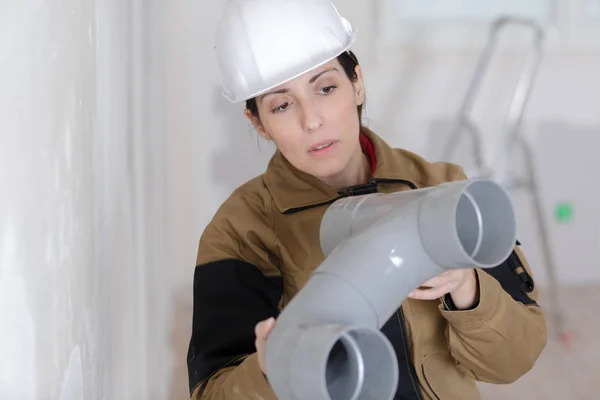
(328, 89)
(282, 107)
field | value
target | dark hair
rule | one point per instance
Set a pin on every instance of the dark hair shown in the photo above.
(348, 61)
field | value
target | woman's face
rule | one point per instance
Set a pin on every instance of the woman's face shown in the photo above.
(314, 122)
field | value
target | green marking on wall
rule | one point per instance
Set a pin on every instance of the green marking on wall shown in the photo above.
(564, 212)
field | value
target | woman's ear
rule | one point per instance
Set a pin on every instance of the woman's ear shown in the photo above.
(257, 125)
(359, 86)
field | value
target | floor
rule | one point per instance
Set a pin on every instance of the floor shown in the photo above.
(567, 369)
(561, 373)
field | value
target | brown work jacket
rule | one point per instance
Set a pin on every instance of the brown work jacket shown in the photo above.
(261, 247)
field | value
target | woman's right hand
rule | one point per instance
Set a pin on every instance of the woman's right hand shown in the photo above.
(262, 331)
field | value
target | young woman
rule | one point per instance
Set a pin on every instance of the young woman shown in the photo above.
(261, 246)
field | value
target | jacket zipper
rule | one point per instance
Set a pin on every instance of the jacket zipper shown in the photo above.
(371, 186)
(388, 180)
(400, 317)
(324, 203)
(366, 188)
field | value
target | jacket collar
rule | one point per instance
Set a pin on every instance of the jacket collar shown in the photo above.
(292, 189)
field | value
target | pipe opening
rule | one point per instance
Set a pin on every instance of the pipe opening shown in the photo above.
(469, 224)
(485, 223)
(361, 365)
(345, 370)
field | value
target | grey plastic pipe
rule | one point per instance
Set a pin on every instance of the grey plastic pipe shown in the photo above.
(327, 344)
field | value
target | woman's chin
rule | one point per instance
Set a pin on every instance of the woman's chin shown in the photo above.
(327, 173)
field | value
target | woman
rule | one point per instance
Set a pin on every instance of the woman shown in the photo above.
(262, 244)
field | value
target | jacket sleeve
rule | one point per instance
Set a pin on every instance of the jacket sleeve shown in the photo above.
(236, 285)
(501, 338)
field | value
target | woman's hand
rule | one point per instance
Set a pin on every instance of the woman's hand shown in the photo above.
(262, 331)
(460, 283)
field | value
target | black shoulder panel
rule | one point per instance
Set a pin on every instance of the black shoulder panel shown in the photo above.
(230, 298)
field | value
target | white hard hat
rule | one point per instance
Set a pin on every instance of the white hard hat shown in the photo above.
(261, 44)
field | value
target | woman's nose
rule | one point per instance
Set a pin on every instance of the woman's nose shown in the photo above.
(311, 117)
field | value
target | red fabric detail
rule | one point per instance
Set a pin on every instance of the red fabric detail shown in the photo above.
(369, 150)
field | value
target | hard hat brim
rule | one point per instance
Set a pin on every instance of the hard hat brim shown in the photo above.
(234, 100)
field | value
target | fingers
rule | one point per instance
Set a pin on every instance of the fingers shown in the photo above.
(262, 331)
(436, 281)
(439, 285)
(264, 328)
(431, 294)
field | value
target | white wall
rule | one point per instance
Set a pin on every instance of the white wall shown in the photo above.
(81, 210)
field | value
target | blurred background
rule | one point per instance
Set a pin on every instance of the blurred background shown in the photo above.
(116, 148)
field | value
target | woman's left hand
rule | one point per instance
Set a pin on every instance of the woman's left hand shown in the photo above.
(460, 283)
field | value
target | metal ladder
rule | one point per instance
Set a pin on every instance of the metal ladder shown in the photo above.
(511, 140)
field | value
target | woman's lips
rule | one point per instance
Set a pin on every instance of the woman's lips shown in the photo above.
(322, 148)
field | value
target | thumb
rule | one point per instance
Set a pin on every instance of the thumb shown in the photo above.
(269, 325)
(264, 328)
